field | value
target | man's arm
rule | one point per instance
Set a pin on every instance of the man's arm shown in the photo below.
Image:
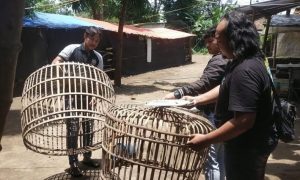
(242, 122)
(211, 77)
(65, 54)
(206, 98)
(100, 64)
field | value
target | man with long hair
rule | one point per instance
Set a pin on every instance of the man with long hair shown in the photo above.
(244, 103)
(210, 78)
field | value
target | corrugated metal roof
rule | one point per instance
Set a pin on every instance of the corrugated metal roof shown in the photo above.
(266, 9)
(47, 20)
(162, 33)
(285, 21)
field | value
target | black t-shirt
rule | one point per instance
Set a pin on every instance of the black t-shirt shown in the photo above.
(246, 88)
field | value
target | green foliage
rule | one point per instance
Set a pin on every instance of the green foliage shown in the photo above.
(28, 4)
(179, 13)
(194, 16)
(137, 11)
(140, 11)
(208, 18)
(48, 6)
(90, 8)
(199, 50)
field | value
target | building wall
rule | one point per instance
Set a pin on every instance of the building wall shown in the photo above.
(165, 53)
(42, 45)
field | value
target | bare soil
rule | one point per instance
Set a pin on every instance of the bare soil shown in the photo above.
(18, 163)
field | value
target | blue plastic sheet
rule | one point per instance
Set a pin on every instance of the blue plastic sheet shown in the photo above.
(46, 20)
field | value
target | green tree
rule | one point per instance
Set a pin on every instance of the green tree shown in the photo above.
(209, 17)
(180, 14)
(137, 10)
(48, 6)
(94, 8)
(194, 16)
(141, 11)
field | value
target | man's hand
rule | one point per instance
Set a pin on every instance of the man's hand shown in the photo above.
(57, 60)
(196, 100)
(170, 96)
(188, 98)
(198, 141)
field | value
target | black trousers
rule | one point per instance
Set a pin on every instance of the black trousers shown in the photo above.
(73, 127)
(245, 163)
(72, 138)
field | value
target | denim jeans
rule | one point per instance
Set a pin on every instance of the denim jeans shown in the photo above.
(73, 127)
(214, 168)
(72, 138)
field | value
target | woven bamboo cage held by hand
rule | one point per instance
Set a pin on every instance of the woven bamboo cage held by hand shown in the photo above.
(150, 143)
(63, 108)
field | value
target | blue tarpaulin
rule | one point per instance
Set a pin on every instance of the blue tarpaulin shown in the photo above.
(47, 20)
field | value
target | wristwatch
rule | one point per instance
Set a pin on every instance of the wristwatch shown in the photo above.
(177, 94)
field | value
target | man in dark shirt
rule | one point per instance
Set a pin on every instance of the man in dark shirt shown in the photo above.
(211, 77)
(83, 53)
(244, 102)
(212, 74)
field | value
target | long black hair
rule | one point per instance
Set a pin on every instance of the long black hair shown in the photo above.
(242, 35)
(209, 33)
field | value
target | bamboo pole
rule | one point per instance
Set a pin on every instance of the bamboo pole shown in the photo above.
(266, 34)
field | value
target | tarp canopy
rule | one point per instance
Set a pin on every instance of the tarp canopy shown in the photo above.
(55, 21)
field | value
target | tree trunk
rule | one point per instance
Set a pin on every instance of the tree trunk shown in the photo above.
(97, 10)
(96, 14)
(11, 13)
(101, 9)
(155, 6)
(119, 50)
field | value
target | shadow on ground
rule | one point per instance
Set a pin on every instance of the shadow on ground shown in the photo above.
(288, 154)
(176, 85)
(284, 171)
(130, 89)
(88, 173)
(289, 151)
(13, 123)
(136, 89)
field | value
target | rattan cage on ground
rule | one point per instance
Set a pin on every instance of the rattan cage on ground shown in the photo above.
(150, 143)
(63, 108)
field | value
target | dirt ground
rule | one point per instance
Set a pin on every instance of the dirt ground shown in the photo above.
(18, 163)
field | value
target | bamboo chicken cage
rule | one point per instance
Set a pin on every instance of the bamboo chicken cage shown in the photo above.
(63, 108)
(150, 143)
